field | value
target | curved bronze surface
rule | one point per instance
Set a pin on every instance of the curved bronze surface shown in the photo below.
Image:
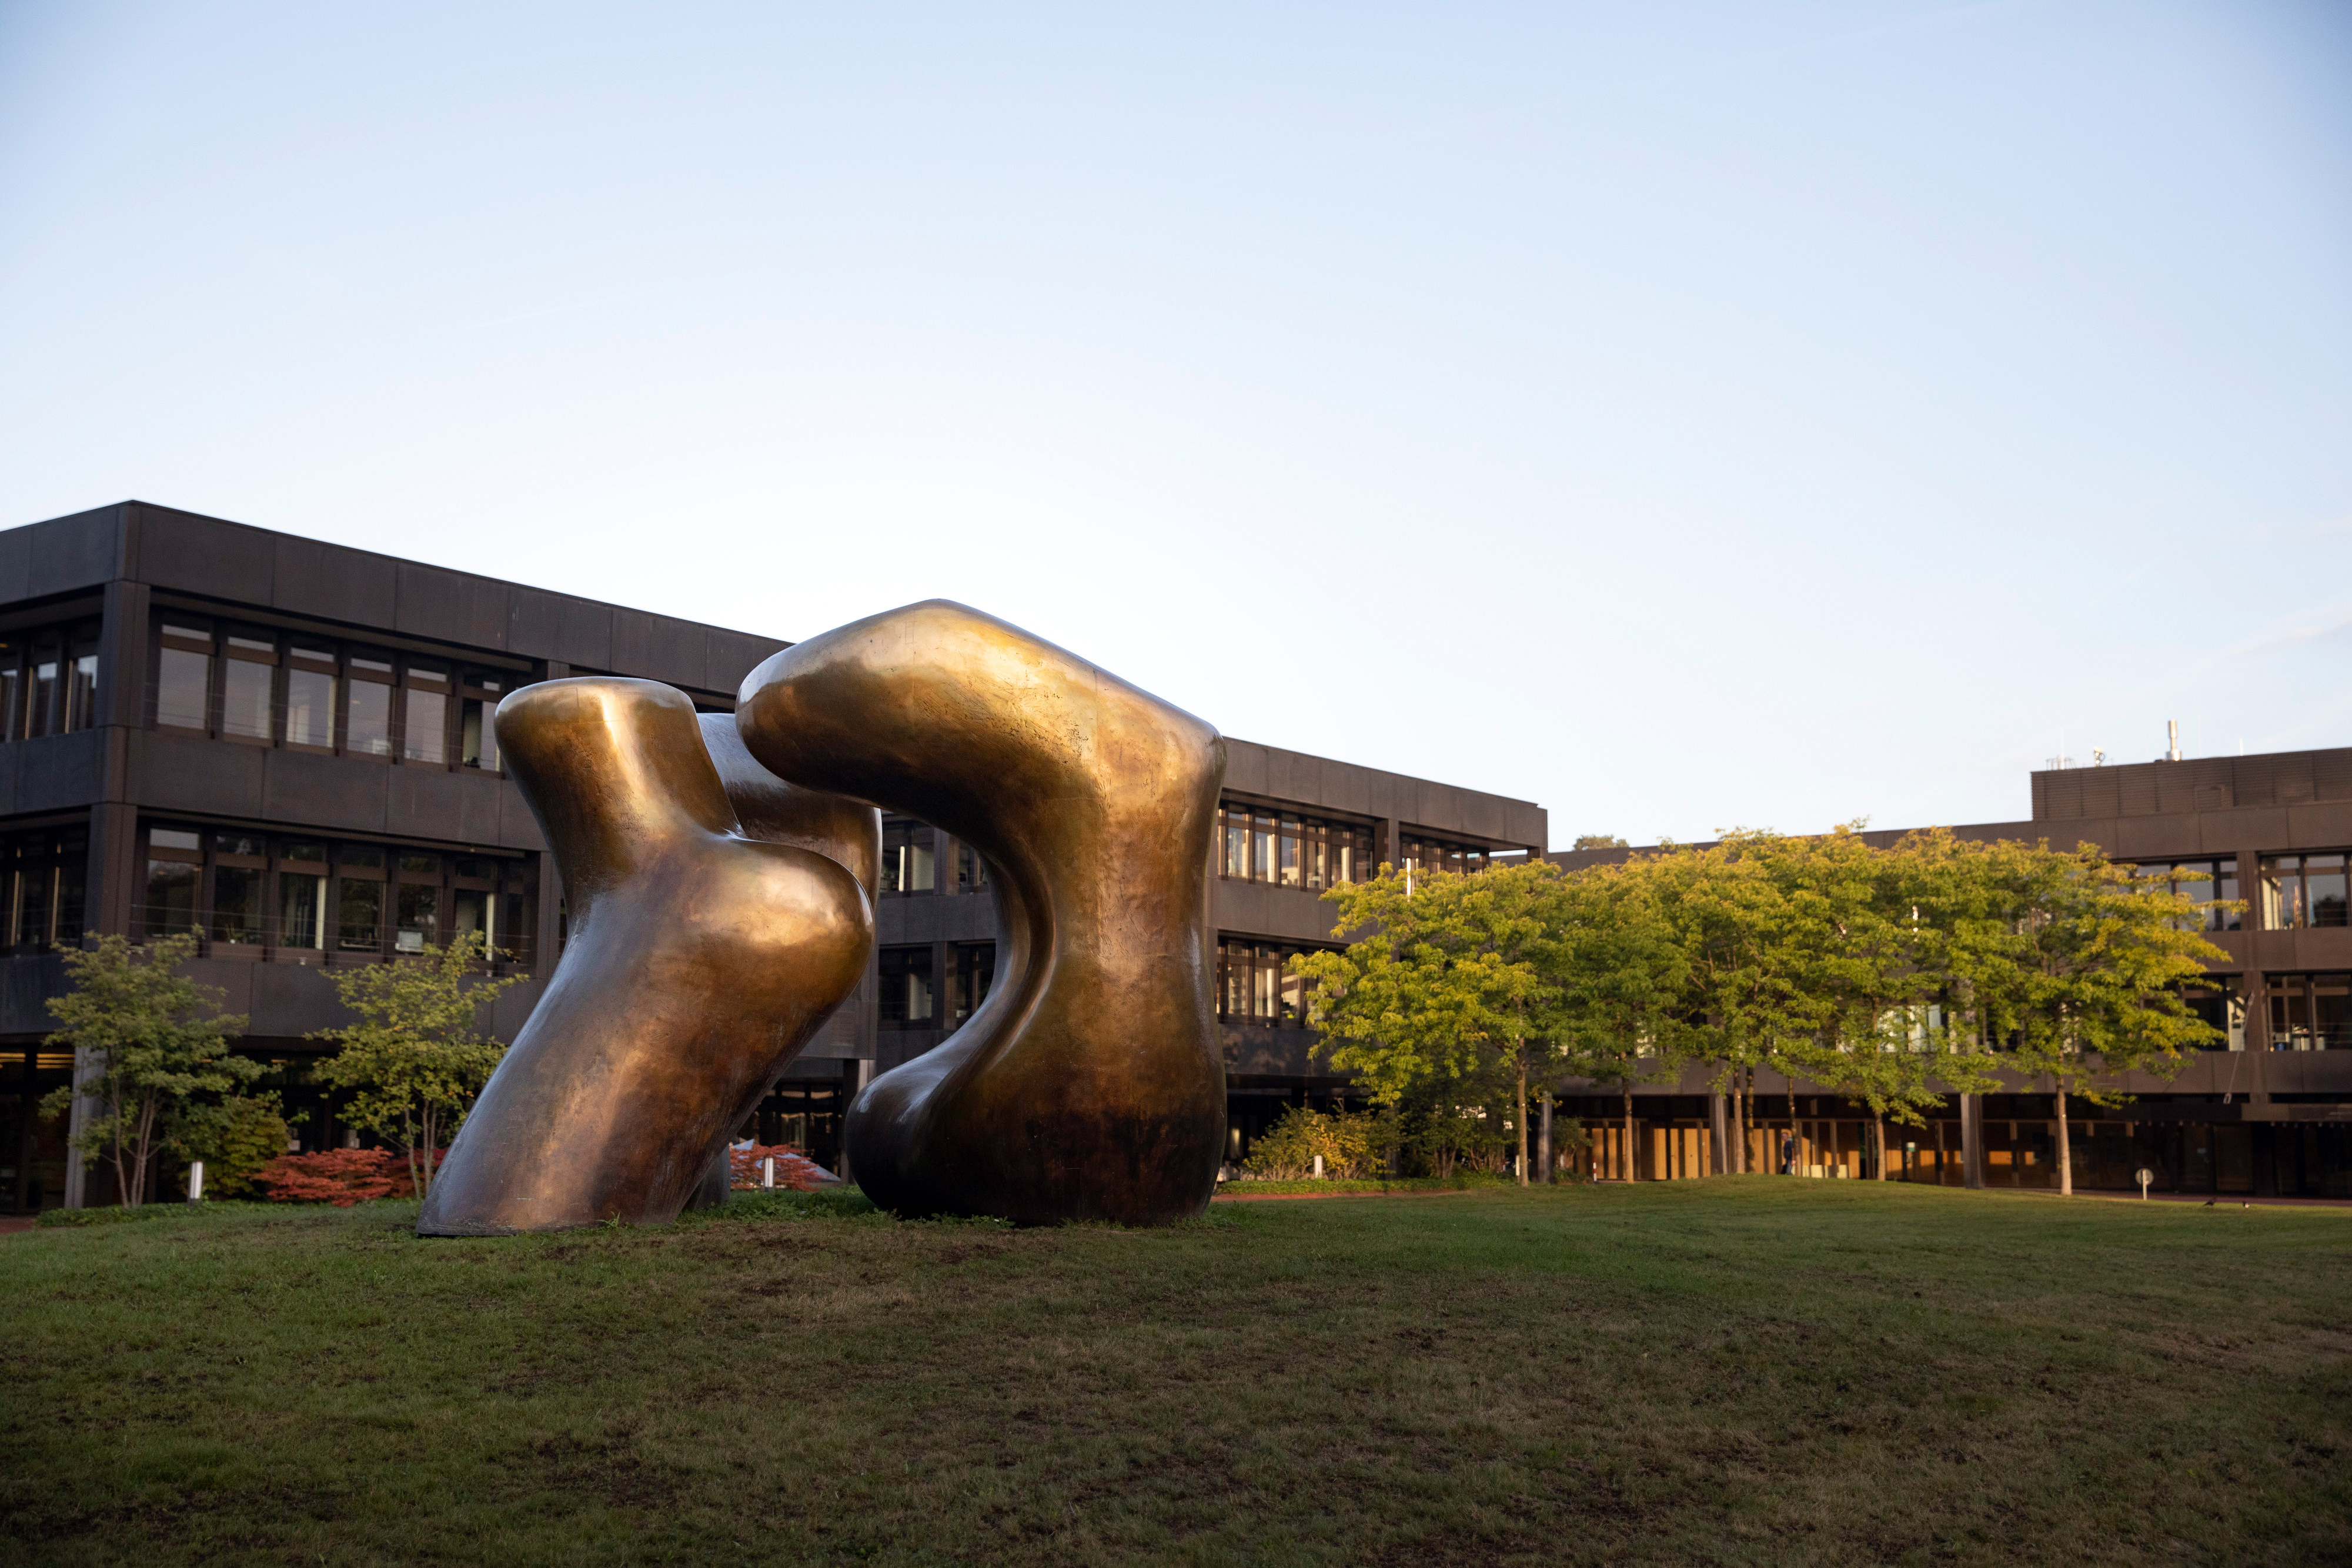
(1090, 1085)
(698, 962)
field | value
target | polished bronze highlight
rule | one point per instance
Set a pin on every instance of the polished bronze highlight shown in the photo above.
(699, 961)
(1090, 1085)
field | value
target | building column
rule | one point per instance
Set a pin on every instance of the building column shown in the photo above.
(1390, 848)
(1972, 1141)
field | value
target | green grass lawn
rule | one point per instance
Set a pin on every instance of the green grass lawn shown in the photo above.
(1740, 1370)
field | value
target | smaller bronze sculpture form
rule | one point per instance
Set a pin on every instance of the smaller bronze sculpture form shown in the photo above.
(1090, 1085)
(701, 959)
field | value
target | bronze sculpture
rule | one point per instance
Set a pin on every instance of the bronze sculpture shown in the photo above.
(1090, 1085)
(700, 958)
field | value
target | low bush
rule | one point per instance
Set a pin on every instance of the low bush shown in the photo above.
(340, 1177)
(794, 1169)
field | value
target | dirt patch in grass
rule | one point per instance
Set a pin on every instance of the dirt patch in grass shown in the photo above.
(1737, 1371)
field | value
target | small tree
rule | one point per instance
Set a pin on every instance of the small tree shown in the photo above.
(1449, 982)
(235, 1138)
(162, 1045)
(415, 1057)
(1599, 842)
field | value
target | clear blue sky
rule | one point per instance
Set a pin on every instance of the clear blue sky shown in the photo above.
(1683, 416)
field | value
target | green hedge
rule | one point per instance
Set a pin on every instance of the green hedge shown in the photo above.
(1246, 1187)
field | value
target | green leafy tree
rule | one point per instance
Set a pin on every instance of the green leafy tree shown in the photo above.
(235, 1138)
(161, 1046)
(416, 1058)
(1599, 842)
(1445, 982)
(2075, 971)
(1621, 979)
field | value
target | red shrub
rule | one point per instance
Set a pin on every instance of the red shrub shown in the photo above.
(340, 1177)
(794, 1169)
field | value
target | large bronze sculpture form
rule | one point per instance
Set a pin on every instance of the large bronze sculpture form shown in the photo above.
(1091, 1082)
(701, 957)
(720, 872)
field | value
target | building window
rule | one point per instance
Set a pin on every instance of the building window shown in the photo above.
(1260, 843)
(299, 900)
(2220, 1001)
(184, 675)
(1438, 854)
(477, 735)
(304, 692)
(975, 971)
(48, 681)
(2303, 890)
(310, 682)
(2202, 882)
(2307, 1011)
(41, 880)
(424, 719)
(1254, 988)
(906, 857)
(248, 681)
(906, 987)
(971, 872)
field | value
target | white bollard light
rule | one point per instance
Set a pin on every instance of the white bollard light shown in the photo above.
(1318, 1168)
(195, 1181)
(768, 1171)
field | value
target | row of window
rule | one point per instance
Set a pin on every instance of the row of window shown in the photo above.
(1254, 988)
(2298, 891)
(910, 998)
(910, 857)
(312, 693)
(256, 895)
(41, 880)
(48, 681)
(1258, 844)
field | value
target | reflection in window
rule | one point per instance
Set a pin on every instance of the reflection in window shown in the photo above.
(425, 719)
(368, 729)
(183, 678)
(2220, 1001)
(2307, 1011)
(301, 908)
(310, 699)
(906, 1001)
(975, 971)
(359, 916)
(1252, 986)
(41, 878)
(236, 904)
(2303, 891)
(907, 856)
(420, 918)
(171, 904)
(2202, 881)
(246, 675)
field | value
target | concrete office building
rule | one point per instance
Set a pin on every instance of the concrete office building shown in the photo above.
(2268, 1111)
(283, 747)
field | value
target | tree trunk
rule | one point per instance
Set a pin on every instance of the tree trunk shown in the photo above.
(1881, 1124)
(1629, 1132)
(1790, 1080)
(2065, 1152)
(1543, 1145)
(1736, 1157)
(1523, 1113)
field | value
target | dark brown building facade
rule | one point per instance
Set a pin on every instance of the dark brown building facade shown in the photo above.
(2267, 1112)
(284, 747)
